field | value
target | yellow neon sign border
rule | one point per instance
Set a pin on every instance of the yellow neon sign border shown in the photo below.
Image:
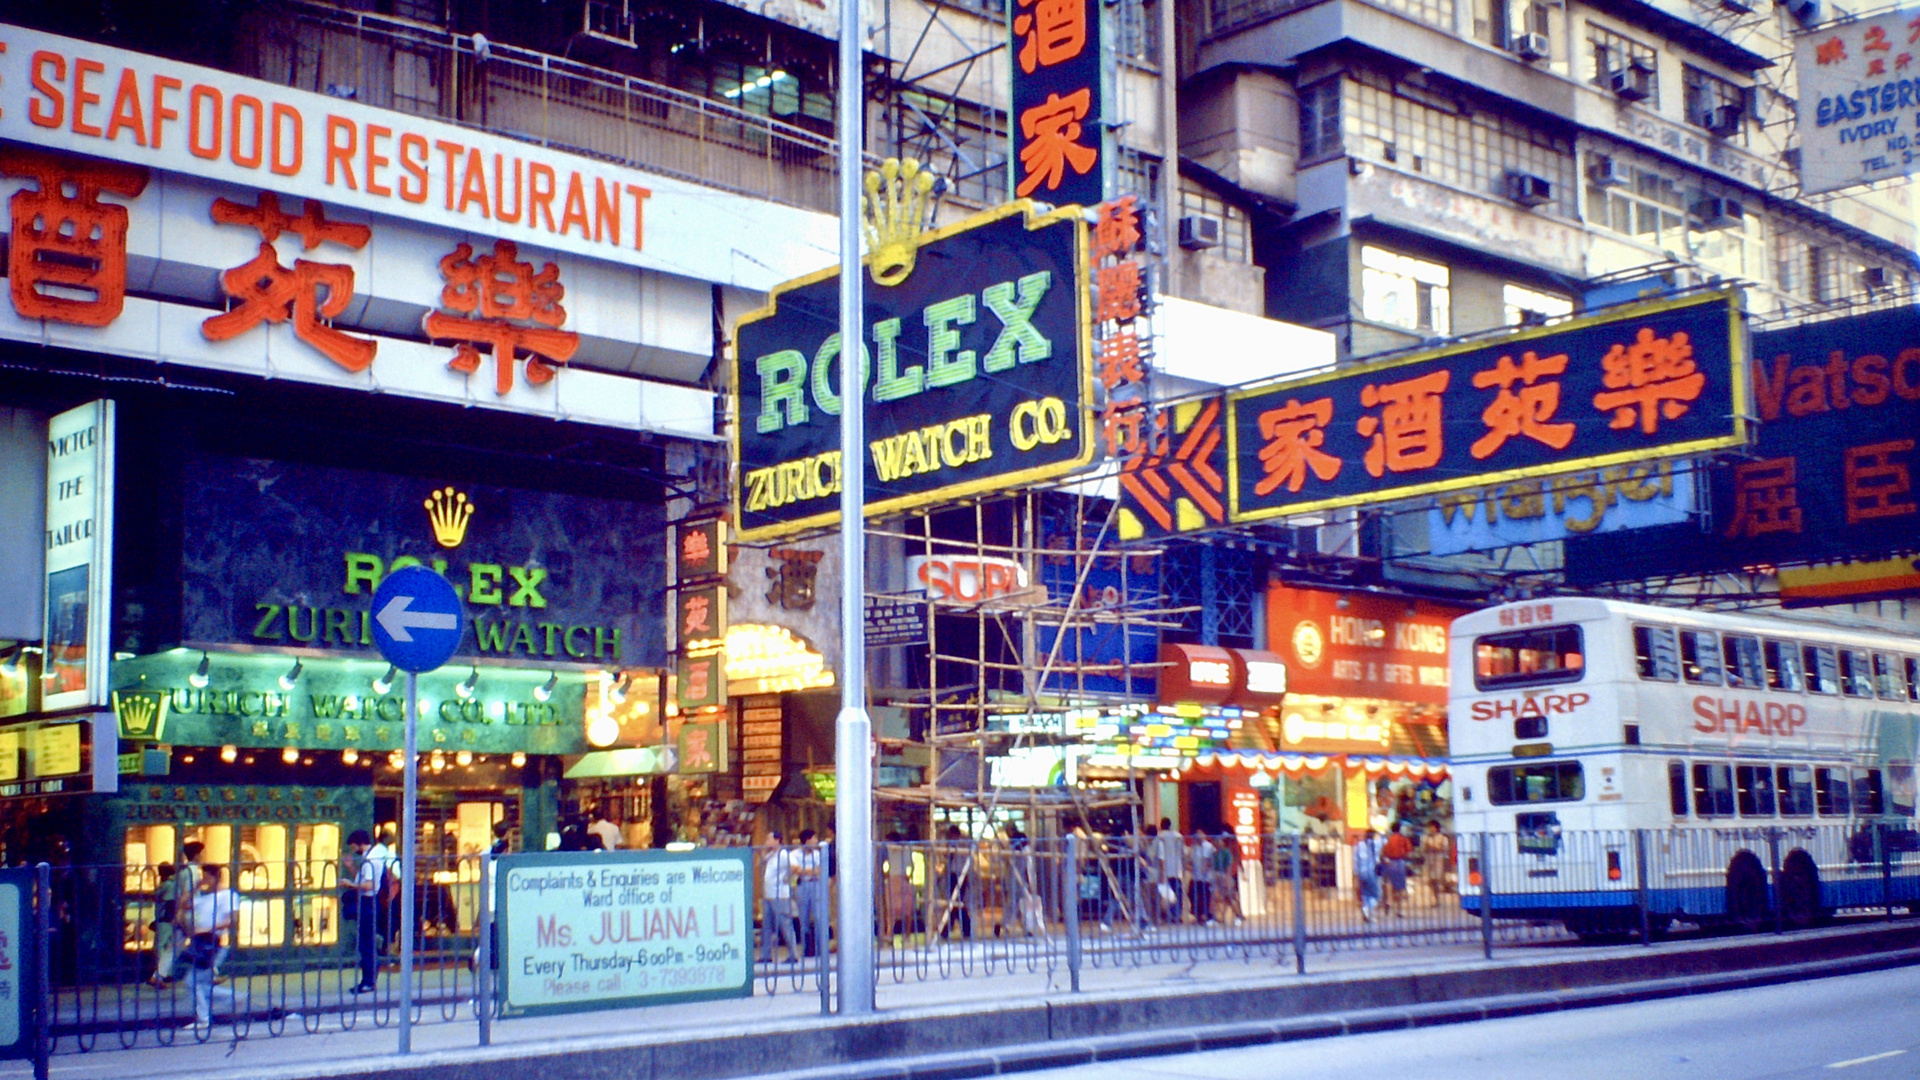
(1737, 356)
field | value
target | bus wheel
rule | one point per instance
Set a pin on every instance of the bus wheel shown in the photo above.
(1746, 891)
(1800, 891)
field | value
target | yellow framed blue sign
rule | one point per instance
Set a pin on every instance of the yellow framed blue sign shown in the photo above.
(616, 929)
(978, 369)
(1656, 380)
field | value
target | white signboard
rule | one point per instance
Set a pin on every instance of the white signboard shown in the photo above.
(615, 929)
(1859, 101)
(79, 568)
(60, 93)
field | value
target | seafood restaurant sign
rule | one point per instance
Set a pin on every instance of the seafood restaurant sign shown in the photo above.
(615, 929)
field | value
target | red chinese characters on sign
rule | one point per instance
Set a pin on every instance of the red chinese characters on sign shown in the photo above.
(1765, 498)
(1878, 486)
(65, 244)
(1830, 51)
(1654, 377)
(267, 292)
(1053, 129)
(1050, 32)
(507, 306)
(1294, 434)
(1526, 401)
(1409, 434)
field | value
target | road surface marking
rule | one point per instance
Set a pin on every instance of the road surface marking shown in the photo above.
(1864, 1060)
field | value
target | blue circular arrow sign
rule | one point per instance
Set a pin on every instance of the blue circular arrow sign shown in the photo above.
(417, 619)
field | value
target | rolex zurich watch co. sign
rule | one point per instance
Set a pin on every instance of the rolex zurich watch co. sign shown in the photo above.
(977, 365)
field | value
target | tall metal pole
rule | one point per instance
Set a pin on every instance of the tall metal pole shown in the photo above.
(853, 760)
(409, 860)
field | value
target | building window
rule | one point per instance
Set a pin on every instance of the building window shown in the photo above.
(1235, 243)
(1320, 120)
(1399, 290)
(1650, 207)
(1526, 306)
(1612, 52)
(1714, 103)
(1446, 142)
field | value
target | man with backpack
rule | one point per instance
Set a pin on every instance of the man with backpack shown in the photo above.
(367, 879)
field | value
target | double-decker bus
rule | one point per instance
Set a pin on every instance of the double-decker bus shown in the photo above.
(1709, 767)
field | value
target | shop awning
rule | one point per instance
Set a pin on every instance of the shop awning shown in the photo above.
(629, 761)
(1297, 765)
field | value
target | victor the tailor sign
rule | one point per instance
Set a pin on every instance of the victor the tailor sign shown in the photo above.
(615, 929)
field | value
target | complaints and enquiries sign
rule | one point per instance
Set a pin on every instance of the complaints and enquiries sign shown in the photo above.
(1859, 115)
(615, 929)
(978, 376)
(1662, 379)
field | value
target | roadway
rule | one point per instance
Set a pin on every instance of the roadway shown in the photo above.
(1854, 1027)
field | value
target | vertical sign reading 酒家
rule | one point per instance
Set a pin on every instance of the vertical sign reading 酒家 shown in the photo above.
(79, 569)
(605, 930)
(1060, 138)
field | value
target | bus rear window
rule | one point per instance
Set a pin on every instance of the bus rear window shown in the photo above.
(1536, 782)
(1548, 654)
(1700, 657)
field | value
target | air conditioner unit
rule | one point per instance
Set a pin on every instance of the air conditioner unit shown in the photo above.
(1633, 82)
(1531, 47)
(1199, 232)
(1738, 7)
(1724, 120)
(1718, 213)
(1874, 277)
(1806, 12)
(1532, 318)
(1790, 159)
(1606, 172)
(1528, 189)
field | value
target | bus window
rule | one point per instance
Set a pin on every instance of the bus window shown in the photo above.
(1700, 657)
(1783, 666)
(1913, 677)
(1655, 653)
(1754, 786)
(1547, 654)
(1856, 674)
(1866, 793)
(1795, 784)
(1889, 678)
(1831, 795)
(1823, 674)
(1713, 790)
(1744, 669)
(1677, 787)
(1536, 782)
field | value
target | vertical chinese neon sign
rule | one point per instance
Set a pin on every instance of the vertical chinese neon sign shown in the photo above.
(1061, 142)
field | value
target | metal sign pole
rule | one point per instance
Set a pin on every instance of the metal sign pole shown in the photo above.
(483, 956)
(853, 754)
(409, 860)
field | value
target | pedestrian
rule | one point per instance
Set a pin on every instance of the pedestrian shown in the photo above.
(604, 828)
(166, 911)
(898, 901)
(1200, 874)
(776, 896)
(1436, 858)
(1022, 902)
(214, 912)
(368, 874)
(810, 879)
(1170, 849)
(1226, 885)
(385, 859)
(1393, 867)
(1366, 872)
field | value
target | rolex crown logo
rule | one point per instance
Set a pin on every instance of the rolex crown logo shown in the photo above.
(142, 714)
(894, 211)
(448, 511)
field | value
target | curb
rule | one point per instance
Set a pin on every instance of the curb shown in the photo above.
(955, 1042)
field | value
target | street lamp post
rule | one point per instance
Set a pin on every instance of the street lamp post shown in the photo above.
(853, 810)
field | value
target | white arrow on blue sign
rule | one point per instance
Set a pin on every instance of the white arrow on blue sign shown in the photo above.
(417, 619)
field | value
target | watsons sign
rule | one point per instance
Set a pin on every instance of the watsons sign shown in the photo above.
(976, 371)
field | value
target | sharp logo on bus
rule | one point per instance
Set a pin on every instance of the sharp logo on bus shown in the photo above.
(1732, 714)
(1518, 708)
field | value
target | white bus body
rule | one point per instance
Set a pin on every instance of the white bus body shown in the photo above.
(1740, 762)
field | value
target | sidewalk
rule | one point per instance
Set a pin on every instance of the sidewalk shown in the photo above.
(776, 1032)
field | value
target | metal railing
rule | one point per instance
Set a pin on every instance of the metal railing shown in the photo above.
(1051, 911)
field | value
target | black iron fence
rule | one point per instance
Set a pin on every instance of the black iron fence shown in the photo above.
(124, 970)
